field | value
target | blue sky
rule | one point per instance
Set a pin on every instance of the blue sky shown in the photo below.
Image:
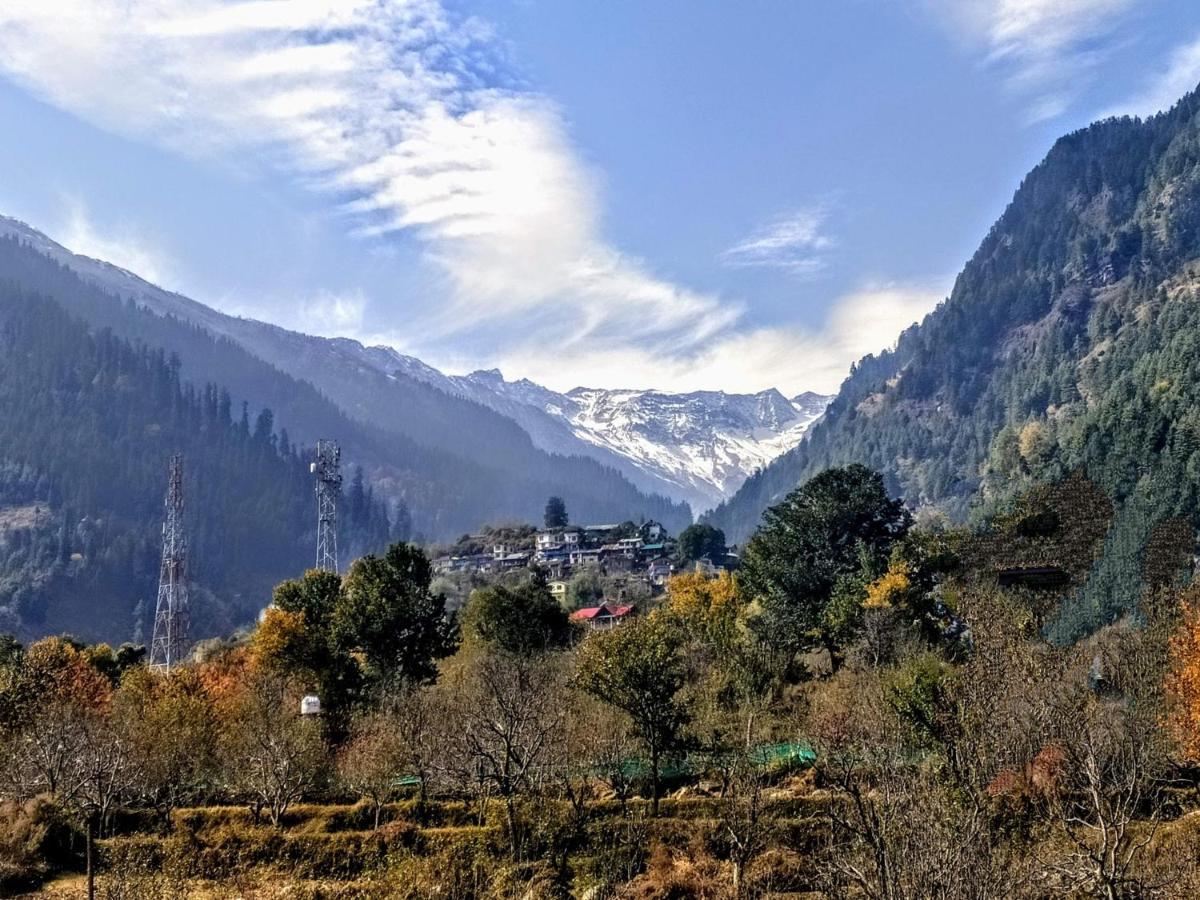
(658, 193)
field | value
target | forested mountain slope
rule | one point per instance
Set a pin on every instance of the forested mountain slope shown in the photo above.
(455, 464)
(88, 422)
(1071, 341)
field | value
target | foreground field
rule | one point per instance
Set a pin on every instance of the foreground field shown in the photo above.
(450, 850)
(264, 887)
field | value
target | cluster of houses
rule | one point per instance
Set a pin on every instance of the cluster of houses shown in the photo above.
(648, 553)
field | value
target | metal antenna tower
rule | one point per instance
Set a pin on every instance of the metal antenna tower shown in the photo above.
(328, 469)
(171, 614)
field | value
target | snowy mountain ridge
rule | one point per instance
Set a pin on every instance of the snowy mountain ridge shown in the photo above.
(698, 446)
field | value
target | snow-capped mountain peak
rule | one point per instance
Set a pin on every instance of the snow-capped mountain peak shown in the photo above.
(698, 446)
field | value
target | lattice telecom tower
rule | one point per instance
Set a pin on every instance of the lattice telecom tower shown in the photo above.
(171, 613)
(328, 469)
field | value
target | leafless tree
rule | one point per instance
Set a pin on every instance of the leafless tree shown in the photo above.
(44, 753)
(412, 713)
(507, 710)
(901, 826)
(104, 775)
(75, 755)
(171, 730)
(904, 833)
(744, 824)
(274, 755)
(1108, 803)
(371, 762)
(388, 744)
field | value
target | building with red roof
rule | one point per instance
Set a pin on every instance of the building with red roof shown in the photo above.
(604, 616)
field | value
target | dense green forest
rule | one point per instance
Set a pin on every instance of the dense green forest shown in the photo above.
(1070, 342)
(454, 463)
(87, 424)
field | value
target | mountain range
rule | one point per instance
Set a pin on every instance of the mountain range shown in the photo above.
(1069, 343)
(695, 448)
(454, 463)
(698, 446)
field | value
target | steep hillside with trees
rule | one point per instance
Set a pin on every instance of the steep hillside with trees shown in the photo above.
(454, 463)
(87, 424)
(1071, 341)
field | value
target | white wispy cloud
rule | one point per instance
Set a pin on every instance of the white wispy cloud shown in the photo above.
(400, 113)
(129, 247)
(1048, 49)
(334, 313)
(794, 242)
(1178, 76)
(866, 320)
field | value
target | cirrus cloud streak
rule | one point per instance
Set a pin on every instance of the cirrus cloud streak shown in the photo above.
(402, 114)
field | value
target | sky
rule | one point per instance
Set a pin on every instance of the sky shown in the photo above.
(671, 194)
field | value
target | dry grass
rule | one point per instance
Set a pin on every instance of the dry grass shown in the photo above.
(263, 886)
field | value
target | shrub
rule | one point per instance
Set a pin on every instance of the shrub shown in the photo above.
(36, 840)
(780, 870)
(132, 869)
(674, 876)
(461, 869)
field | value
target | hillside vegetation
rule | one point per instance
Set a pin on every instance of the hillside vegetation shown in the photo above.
(1069, 342)
(453, 462)
(87, 425)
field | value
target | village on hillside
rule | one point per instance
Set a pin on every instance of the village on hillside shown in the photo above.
(602, 574)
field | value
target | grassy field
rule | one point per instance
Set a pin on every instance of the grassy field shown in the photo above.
(447, 849)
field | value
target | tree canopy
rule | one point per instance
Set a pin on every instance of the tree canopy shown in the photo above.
(702, 541)
(523, 619)
(836, 529)
(556, 513)
(638, 669)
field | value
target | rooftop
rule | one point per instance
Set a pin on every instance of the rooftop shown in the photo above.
(593, 612)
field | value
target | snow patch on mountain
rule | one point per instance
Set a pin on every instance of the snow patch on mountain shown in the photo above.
(706, 442)
(697, 446)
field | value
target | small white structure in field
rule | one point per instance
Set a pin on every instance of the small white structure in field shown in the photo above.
(310, 705)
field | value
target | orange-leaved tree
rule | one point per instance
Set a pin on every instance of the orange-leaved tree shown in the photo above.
(1183, 678)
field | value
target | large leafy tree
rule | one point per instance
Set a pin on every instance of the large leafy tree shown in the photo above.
(296, 637)
(700, 541)
(315, 595)
(638, 668)
(523, 619)
(382, 624)
(815, 550)
(387, 612)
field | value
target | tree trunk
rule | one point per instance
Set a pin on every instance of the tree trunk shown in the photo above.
(378, 810)
(514, 839)
(654, 781)
(91, 870)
